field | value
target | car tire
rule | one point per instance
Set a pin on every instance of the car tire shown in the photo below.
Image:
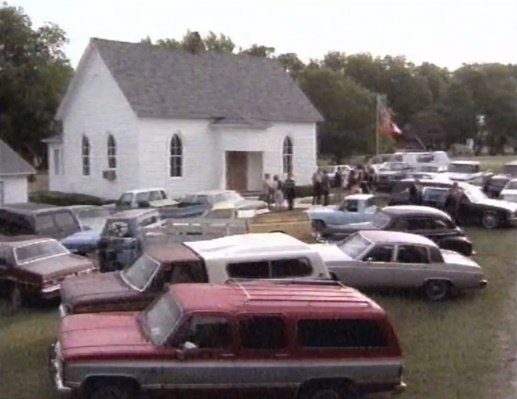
(436, 290)
(112, 390)
(318, 225)
(16, 296)
(490, 220)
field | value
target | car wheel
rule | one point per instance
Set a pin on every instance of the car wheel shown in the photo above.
(490, 220)
(436, 290)
(318, 225)
(16, 296)
(115, 390)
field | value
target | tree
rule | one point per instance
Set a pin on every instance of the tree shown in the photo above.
(220, 44)
(193, 43)
(259, 51)
(291, 63)
(34, 76)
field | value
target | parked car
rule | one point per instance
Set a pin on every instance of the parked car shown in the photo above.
(389, 173)
(252, 256)
(433, 161)
(399, 194)
(144, 198)
(36, 267)
(426, 221)
(495, 184)
(370, 259)
(331, 171)
(212, 197)
(225, 219)
(353, 209)
(38, 219)
(509, 191)
(271, 340)
(468, 172)
(121, 240)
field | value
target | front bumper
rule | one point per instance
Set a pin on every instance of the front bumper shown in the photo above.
(399, 388)
(55, 369)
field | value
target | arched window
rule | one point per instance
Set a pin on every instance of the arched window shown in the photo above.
(85, 152)
(112, 152)
(176, 157)
(287, 156)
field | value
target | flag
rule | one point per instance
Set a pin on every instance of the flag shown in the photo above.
(385, 125)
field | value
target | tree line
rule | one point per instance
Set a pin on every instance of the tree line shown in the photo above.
(439, 106)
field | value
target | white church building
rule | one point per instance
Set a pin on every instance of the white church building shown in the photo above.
(136, 116)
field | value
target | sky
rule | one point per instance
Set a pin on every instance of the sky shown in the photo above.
(445, 32)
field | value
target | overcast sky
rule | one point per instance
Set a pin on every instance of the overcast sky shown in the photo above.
(446, 32)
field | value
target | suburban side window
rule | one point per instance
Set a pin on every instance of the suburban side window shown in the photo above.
(416, 224)
(437, 224)
(290, 268)
(258, 269)
(207, 332)
(381, 253)
(182, 273)
(142, 197)
(435, 255)
(263, 333)
(340, 333)
(156, 195)
(65, 221)
(399, 224)
(45, 224)
(412, 254)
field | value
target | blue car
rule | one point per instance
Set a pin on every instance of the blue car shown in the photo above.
(354, 208)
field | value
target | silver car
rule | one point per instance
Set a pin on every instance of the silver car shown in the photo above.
(400, 260)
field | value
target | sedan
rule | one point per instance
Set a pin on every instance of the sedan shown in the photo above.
(370, 259)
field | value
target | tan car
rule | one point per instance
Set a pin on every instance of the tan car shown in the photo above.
(383, 259)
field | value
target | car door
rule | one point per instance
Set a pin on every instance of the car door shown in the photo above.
(348, 212)
(411, 266)
(374, 269)
(202, 356)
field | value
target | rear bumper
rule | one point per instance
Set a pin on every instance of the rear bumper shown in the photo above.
(55, 368)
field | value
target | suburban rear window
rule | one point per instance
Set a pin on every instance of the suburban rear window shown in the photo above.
(341, 333)
(65, 221)
(290, 268)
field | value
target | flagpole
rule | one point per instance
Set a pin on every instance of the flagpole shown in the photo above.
(377, 112)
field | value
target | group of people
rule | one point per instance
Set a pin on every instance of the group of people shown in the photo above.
(276, 191)
(358, 180)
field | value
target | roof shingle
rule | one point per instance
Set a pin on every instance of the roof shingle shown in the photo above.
(163, 83)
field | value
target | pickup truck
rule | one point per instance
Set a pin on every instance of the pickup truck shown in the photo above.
(248, 256)
(226, 219)
(355, 208)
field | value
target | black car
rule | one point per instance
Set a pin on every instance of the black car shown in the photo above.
(429, 222)
(475, 208)
(495, 184)
(399, 194)
(38, 219)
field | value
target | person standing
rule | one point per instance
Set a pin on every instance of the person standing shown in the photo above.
(325, 188)
(452, 203)
(278, 194)
(267, 189)
(289, 191)
(316, 187)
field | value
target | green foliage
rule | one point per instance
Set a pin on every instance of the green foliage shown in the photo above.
(34, 76)
(220, 44)
(259, 51)
(64, 199)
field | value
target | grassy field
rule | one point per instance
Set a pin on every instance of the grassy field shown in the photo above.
(462, 348)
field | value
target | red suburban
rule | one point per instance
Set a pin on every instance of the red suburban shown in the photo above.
(301, 339)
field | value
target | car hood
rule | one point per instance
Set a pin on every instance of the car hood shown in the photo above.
(82, 237)
(95, 288)
(103, 336)
(452, 257)
(58, 266)
(330, 253)
(461, 176)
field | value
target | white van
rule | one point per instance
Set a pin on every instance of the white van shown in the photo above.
(435, 161)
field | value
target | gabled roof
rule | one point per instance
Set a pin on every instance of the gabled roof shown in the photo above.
(13, 164)
(237, 89)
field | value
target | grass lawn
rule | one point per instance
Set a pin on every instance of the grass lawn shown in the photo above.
(461, 348)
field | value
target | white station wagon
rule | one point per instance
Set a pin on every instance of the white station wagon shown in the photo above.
(400, 260)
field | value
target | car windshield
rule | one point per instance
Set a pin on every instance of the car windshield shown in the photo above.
(510, 170)
(117, 228)
(463, 168)
(140, 272)
(39, 250)
(380, 220)
(161, 318)
(354, 245)
(511, 185)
